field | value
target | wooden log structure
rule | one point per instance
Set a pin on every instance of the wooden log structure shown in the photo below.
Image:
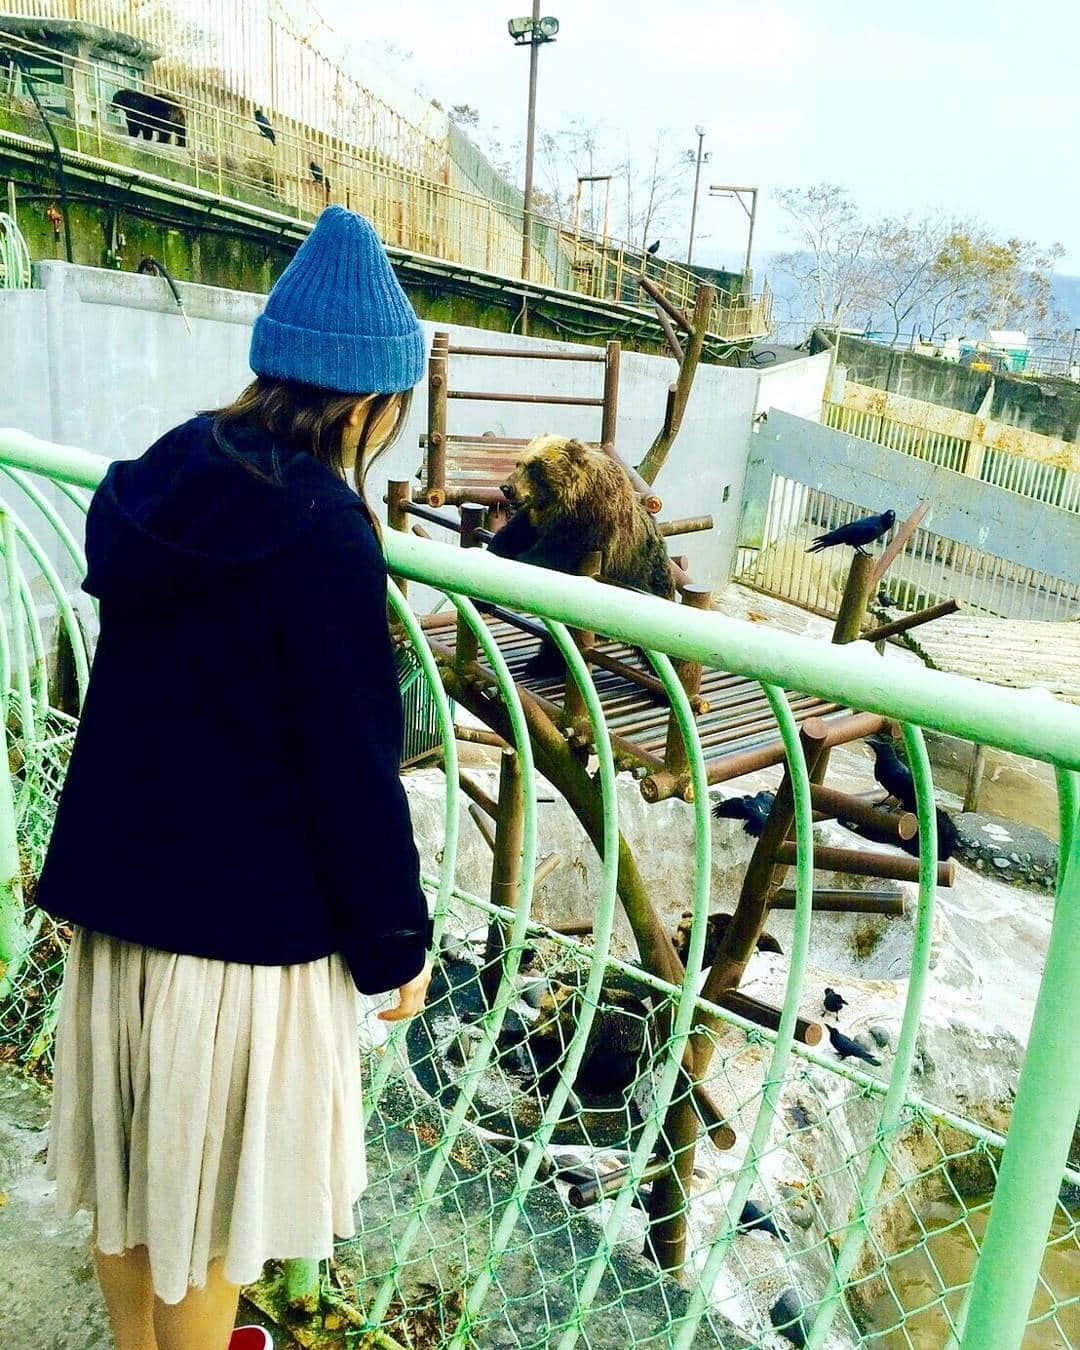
(909, 621)
(834, 805)
(505, 866)
(894, 866)
(766, 1015)
(833, 901)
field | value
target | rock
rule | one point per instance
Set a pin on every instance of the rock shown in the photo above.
(880, 1037)
(1001, 862)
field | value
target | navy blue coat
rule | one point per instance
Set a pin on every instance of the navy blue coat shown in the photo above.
(234, 791)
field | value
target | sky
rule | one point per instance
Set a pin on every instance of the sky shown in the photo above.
(971, 107)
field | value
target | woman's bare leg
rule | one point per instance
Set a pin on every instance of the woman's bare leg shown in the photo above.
(203, 1319)
(129, 1295)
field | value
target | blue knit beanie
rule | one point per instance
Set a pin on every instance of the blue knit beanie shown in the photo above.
(337, 317)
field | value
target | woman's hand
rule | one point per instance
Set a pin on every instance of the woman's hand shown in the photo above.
(410, 997)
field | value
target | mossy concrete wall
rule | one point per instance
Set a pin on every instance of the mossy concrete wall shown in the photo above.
(1049, 405)
(114, 227)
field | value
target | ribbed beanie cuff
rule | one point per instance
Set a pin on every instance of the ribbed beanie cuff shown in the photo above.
(337, 316)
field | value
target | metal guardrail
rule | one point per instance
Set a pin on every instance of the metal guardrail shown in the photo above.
(226, 155)
(486, 1228)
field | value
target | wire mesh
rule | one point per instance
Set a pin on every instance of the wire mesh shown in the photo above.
(521, 1127)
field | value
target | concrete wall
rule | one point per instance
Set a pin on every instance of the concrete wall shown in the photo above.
(103, 360)
(988, 518)
(1048, 405)
(794, 386)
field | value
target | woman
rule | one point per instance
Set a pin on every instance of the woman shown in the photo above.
(232, 845)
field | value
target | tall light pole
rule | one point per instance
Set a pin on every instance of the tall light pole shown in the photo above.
(530, 32)
(699, 158)
(725, 190)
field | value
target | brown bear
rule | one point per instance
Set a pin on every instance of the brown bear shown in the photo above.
(568, 501)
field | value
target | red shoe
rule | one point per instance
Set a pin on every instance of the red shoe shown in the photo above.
(251, 1338)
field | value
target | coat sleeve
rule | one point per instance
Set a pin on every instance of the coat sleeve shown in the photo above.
(348, 735)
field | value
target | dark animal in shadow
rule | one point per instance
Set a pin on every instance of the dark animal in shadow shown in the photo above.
(897, 780)
(715, 932)
(148, 114)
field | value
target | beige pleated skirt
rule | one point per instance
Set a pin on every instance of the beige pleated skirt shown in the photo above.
(206, 1108)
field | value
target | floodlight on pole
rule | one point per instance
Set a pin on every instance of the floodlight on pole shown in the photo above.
(727, 190)
(698, 159)
(530, 32)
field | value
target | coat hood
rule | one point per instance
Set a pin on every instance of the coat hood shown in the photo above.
(194, 512)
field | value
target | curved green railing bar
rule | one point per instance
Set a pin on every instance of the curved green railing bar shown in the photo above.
(680, 1031)
(575, 1050)
(492, 1020)
(900, 1077)
(785, 1032)
(1034, 1162)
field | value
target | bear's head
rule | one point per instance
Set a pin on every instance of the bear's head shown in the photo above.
(552, 471)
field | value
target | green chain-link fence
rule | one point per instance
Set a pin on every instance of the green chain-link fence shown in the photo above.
(519, 1130)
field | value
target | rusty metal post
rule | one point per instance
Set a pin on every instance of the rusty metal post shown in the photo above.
(611, 393)
(397, 494)
(975, 778)
(505, 865)
(438, 365)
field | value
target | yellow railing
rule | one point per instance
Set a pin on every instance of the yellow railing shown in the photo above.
(302, 169)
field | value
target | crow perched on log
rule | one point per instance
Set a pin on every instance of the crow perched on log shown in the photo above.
(753, 1216)
(752, 811)
(265, 129)
(654, 247)
(833, 1001)
(857, 533)
(896, 778)
(846, 1048)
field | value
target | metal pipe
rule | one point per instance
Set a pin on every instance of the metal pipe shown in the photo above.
(526, 354)
(530, 147)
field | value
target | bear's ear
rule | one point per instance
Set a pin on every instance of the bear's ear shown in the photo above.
(574, 451)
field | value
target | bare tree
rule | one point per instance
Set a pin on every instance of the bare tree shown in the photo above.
(654, 186)
(831, 263)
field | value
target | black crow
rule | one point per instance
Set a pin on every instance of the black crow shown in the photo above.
(895, 777)
(857, 533)
(265, 129)
(891, 772)
(833, 1001)
(886, 600)
(654, 247)
(786, 1315)
(752, 811)
(845, 1047)
(753, 1216)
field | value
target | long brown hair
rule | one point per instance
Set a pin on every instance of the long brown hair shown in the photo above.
(314, 420)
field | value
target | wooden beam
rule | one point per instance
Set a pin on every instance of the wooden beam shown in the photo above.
(899, 542)
(836, 901)
(870, 863)
(916, 620)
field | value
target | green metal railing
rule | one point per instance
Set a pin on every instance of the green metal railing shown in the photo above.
(469, 1236)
